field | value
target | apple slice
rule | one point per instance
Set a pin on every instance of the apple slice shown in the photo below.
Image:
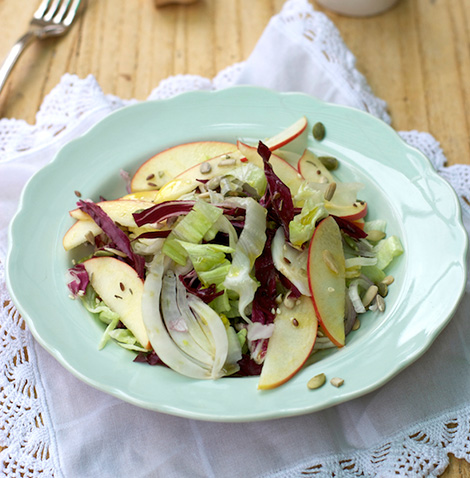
(288, 135)
(353, 212)
(141, 196)
(326, 279)
(164, 166)
(79, 232)
(119, 210)
(284, 171)
(187, 181)
(312, 169)
(121, 289)
(292, 341)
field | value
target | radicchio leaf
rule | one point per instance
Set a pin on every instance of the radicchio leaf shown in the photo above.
(116, 235)
(80, 279)
(248, 367)
(350, 228)
(148, 357)
(194, 286)
(161, 212)
(277, 199)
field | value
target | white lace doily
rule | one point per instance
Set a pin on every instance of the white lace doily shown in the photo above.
(74, 105)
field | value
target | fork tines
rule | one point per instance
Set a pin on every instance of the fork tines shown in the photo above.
(57, 11)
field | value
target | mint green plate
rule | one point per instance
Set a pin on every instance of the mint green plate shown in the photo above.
(401, 187)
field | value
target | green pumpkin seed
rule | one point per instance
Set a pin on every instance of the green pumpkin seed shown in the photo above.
(318, 131)
(329, 162)
(317, 381)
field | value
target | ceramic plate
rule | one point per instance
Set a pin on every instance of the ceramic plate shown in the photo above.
(400, 187)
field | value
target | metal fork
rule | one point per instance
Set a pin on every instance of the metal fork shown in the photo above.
(52, 18)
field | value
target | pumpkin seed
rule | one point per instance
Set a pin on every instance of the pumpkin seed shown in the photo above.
(370, 295)
(205, 168)
(330, 162)
(337, 382)
(375, 236)
(318, 131)
(383, 289)
(317, 381)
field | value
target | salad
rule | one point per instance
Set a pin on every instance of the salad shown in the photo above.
(231, 259)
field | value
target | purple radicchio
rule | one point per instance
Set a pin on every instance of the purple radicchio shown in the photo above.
(79, 281)
(116, 235)
(277, 199)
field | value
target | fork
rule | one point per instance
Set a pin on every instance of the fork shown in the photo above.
(52, 18)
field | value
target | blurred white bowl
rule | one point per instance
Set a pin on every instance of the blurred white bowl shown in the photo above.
(358, 7)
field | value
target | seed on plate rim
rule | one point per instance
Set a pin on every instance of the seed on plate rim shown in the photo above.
(337, 382)
(317, 381)
(318, 131)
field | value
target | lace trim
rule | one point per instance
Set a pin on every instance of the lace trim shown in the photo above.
(29, 447)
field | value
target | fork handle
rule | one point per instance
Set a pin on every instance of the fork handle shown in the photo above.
(14, 54)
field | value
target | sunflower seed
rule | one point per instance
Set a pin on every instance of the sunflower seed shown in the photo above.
(227, 162)
(330, 261)
(337, 382)
(370, 295)
(356, 325)
(318, 131)
(330, 191)
(380, 303)
(90, 238)
(317, 381)
(388, 280)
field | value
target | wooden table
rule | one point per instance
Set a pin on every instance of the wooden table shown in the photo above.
(416, 57)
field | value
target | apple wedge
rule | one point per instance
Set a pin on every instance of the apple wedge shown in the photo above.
(121, 289)
(187, 181)
(312, 169)
(164, 166)
(326, 279)
(288, 135)
(292, 341)
(353, 212)
(119, 210)
(284, 171)
(79, 233)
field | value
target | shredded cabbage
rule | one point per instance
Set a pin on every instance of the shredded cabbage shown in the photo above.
(250, 245)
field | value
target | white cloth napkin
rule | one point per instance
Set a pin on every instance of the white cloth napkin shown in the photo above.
(55, 425)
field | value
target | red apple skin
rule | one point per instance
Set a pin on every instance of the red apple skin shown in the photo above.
(290, 345)
(351, 213)
(288, 135)
(180, 159)
(332, 323)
